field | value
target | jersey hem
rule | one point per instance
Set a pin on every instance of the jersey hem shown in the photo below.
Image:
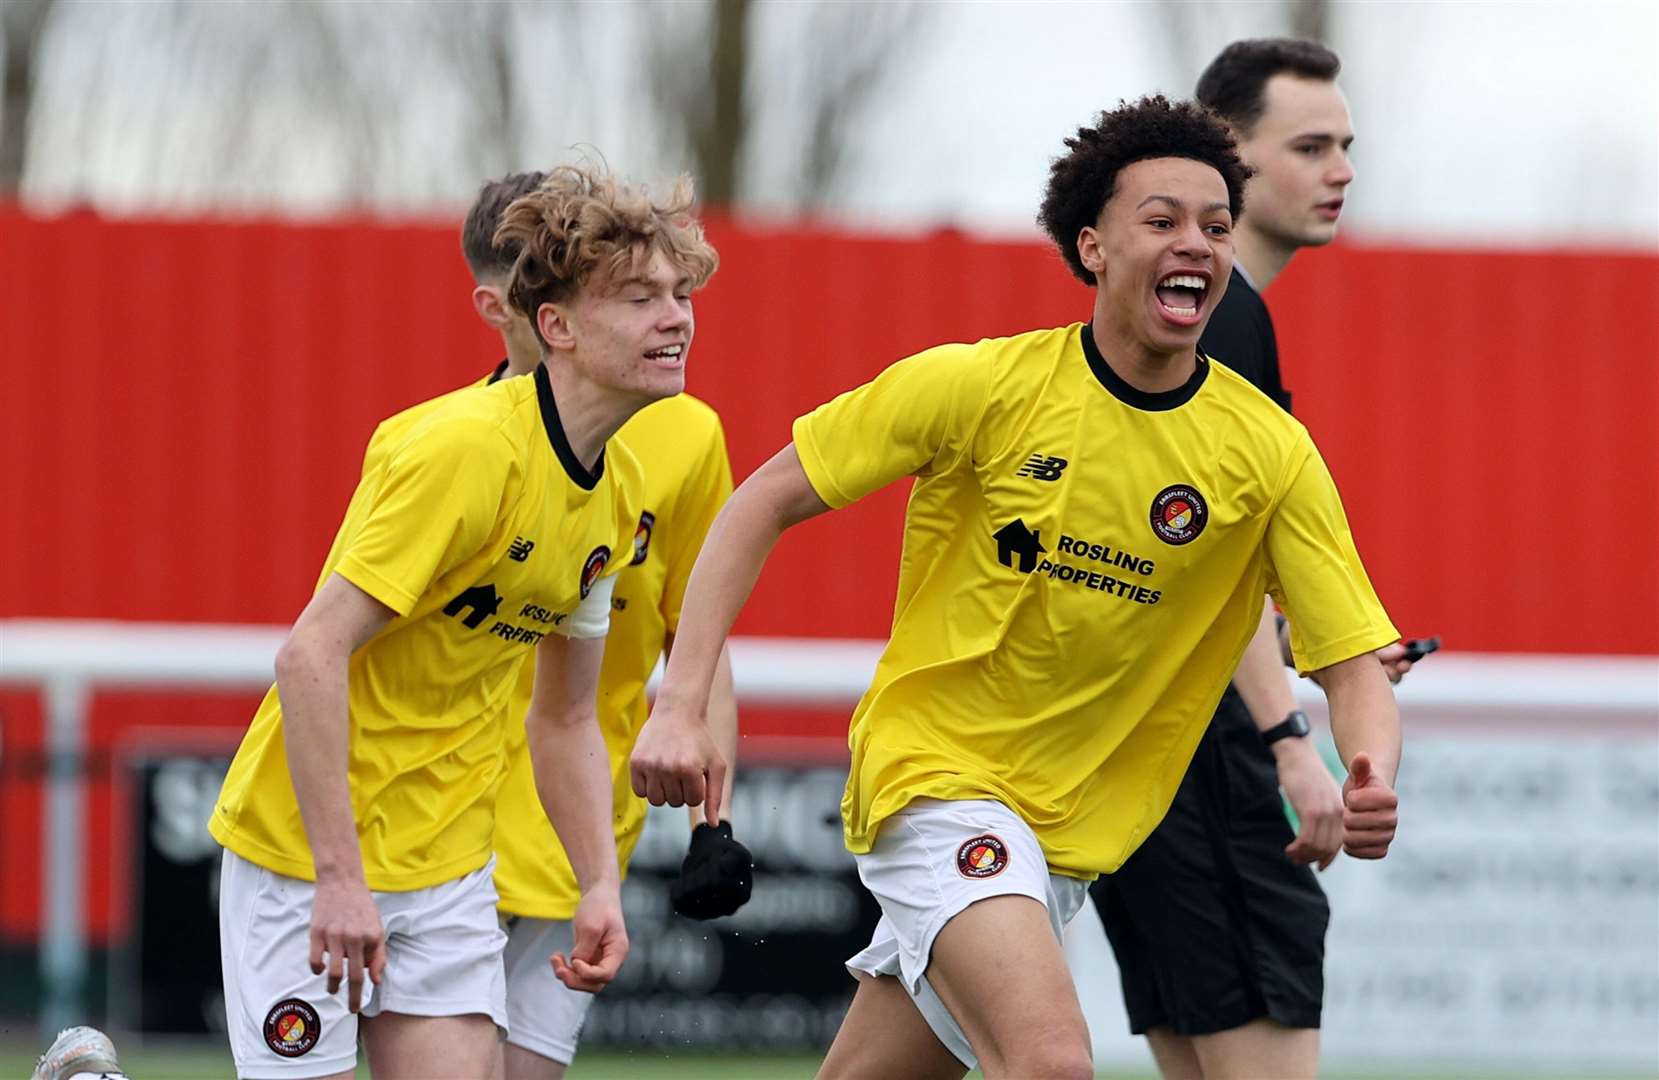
(277, 863)
(530, 909)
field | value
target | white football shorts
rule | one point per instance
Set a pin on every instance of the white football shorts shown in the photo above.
(929, 862)
(544, 1016)
(443, 958)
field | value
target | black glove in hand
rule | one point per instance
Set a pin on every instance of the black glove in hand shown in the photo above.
(716, 876)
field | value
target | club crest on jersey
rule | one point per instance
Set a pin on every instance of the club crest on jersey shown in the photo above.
(982, 857)
(292, 1027)
(594, 567)
(1179, 514)
(642, 536)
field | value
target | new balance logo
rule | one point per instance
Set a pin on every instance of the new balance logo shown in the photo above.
(1042, 467)
(520, 549)
(1014, 540)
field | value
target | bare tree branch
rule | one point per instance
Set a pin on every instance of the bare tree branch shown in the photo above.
(25, 25)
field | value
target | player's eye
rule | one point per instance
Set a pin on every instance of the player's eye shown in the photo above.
(1161, 223)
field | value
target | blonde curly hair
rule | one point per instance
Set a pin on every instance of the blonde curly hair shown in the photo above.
(582, 218)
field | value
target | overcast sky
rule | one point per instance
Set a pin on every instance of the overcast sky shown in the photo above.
(1503, 122)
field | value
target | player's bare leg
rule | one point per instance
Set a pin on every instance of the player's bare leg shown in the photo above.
(405, 1047)
(883, 1034)
(525, 1064)
(1021, 1015)
(1260, 1048)
(1177, 1058)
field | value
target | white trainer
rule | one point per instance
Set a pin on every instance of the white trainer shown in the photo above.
(77, 1051)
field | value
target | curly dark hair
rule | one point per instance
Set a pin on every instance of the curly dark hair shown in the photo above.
(1234, 84)
(1080, 182)
(478, 231)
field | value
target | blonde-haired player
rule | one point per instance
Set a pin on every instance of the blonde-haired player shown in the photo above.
(358, 815)
(681, 446)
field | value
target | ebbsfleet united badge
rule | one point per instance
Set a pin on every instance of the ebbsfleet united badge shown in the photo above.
(292, 1027)
(1179, 514)
(594, 567)
(982, 857)
(642, 536)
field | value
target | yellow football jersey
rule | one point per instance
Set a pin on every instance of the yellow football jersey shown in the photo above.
(1083, 565)
(682, 448)
(482, 530)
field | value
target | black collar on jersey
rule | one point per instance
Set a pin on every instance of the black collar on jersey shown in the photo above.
(574, 469)
(497, 375)
(1115, 384)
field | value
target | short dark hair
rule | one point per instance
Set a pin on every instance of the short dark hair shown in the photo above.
(1234, 85)
(1081, 181)
(478, 245)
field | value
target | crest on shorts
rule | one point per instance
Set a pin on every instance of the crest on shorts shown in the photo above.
(1179, 514)
(594, 567)
(642, 536)
(292, 1027)
(982, 857)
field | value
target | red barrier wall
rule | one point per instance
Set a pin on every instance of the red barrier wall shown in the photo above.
(185, 405)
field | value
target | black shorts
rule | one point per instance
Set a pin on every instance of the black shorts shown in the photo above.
(1212, 924)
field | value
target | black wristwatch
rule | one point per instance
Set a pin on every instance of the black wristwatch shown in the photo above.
(1295, 725)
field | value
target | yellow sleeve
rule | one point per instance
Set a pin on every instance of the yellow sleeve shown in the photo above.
(1315, 573)
(696, 505)
(439, 495)
(915, 418)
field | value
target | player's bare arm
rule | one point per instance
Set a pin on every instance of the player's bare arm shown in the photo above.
(676, 762)
(1262, 683)
(311, 674)
(722, 721)
(572, 771)
(1366, 725)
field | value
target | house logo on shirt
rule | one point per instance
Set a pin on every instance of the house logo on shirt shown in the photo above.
(594, 566)
(1016, 542)
(1179, 514)
(482, 599)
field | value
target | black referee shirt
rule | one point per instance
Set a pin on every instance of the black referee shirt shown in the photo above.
(1240, 335)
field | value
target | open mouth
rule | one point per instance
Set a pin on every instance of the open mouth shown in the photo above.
(1181, 295)
(667, 356)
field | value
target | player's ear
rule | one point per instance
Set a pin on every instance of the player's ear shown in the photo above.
(491, 304)
(1088, 250)
(553, 320)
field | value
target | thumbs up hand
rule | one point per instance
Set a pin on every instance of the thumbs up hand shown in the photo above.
(1370, 811)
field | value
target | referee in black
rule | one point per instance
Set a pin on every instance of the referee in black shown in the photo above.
(1217, 921)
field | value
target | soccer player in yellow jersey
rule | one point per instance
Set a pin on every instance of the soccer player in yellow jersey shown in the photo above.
(682, 448)
(1097, 512)
(358, 815)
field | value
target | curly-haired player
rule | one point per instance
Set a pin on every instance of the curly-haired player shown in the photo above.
(1097, 513)
(1217, 920)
